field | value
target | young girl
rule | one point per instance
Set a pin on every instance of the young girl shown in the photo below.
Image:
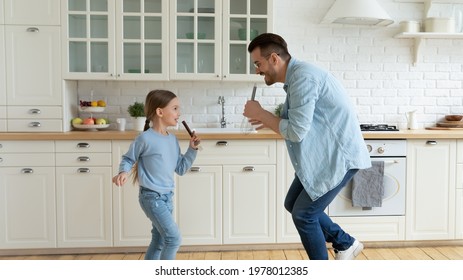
(155, 155)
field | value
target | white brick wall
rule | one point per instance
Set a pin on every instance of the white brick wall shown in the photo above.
(375, 68)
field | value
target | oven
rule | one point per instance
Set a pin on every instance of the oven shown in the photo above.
(393, 153)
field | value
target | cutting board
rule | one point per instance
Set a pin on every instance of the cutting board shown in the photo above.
(444, 128)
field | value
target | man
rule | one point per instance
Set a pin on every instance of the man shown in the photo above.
(323, 139)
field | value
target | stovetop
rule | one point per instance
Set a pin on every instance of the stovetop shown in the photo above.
(378, 127)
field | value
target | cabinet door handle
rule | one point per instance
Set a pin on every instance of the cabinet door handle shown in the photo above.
(249, 168)
(35, 111)
(195, 169)
(35, 124)
(222, 143)
(27, 171)
(83, 159)
(32, 29)
(83, 170)
(83, 145)
(431, 142)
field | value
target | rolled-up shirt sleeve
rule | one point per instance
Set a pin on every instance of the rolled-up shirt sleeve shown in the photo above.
(298, 115)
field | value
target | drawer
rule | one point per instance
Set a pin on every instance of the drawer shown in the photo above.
(83, 159)
(235, 152)
(460, 151)
(88, 146)
(33, 112)
(34, 125)
(27, 160)
(27, 147)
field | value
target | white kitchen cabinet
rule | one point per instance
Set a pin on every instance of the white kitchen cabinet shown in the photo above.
(41, 12)
(2, 67)
(2, 78)
(249, 204)
(34, 74)
(34, 118)
(2, 16)
(83, 182)
(198, 205)
(430, 212)
(120, 39)
(27, 195)
(131, 227)
(459, 192)
(243, 200)
(286, 231)
(209, 38)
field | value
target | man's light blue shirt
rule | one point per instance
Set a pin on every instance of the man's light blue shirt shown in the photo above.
(320, 128)
(158, 157)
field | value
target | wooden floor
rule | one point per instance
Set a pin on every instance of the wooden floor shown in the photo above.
(402, 253)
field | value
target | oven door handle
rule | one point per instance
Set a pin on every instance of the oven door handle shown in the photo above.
(390, 161)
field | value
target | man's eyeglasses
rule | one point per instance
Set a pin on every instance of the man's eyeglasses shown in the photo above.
(257, 64)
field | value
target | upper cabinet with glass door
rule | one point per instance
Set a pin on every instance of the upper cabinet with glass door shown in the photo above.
(195, 39)
(209, 38)
(116, 39)
(243, 21)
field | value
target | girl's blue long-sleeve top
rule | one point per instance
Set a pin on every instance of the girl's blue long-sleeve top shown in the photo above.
(158, 156)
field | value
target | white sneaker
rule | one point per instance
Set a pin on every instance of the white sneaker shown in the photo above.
(350, 253)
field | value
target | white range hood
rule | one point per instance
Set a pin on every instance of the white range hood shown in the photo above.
(357, 12)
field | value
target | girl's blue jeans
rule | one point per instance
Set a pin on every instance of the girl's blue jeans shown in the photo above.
(165, 235)
(314, 226)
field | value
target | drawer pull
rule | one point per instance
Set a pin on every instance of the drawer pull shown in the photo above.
(195, 169)
(27, 171)
(35, 124)
(431, 142)
(83, 170)
(83, 159)
(83, 145)
(249, 168)
(35, 111)
(1, 159)
(32, 29)
(222, 143)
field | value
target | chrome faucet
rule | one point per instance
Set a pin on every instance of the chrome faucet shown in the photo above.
(223, 122)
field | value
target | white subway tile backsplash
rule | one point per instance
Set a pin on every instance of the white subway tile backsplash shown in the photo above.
(376, 69)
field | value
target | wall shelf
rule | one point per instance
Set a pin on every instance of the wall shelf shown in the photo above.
(420, 36)
(428, 3)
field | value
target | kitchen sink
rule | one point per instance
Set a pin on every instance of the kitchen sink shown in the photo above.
(218, 130)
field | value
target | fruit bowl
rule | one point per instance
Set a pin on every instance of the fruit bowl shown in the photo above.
(91, 109)
(90, 126)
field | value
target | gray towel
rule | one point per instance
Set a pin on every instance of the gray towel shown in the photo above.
(368, 186)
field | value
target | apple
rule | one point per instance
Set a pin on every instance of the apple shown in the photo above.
(88, 121)
(100, 121)
(77, 121)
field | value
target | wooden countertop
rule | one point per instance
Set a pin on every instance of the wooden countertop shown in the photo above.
(182, 135)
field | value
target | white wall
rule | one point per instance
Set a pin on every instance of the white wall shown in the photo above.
(376, 69)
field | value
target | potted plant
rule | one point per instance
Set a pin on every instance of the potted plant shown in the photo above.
(137, 112)
(278, 109)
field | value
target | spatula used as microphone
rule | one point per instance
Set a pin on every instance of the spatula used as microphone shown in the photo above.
(191, 135)
(246, 127)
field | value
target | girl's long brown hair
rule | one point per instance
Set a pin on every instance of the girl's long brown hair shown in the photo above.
(155, 99)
